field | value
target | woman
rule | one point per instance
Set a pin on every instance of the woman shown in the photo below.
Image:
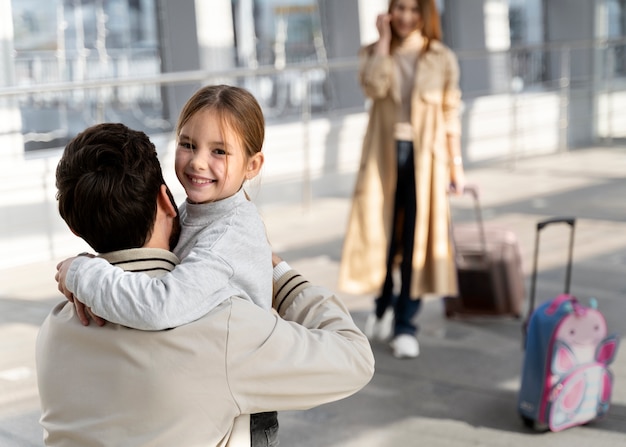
(411, 158)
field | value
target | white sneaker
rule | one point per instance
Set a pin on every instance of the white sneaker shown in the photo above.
(379, 329)
(405, 346)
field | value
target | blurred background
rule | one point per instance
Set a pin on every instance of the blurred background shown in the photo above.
(544, 133)
(538, 77)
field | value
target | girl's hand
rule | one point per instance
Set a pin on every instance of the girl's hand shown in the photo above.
(276, 259)
(62, 268)
(83, 312)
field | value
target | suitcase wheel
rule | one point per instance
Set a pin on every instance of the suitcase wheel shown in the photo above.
(528, 422)
(449, 305)
(534, 425)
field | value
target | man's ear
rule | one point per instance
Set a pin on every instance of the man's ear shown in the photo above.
(255, 163)
(164, 202)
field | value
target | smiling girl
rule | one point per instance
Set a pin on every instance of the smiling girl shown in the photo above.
(223, 245)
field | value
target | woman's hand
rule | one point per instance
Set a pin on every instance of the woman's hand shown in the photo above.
(457, 179)
(383, 24)
(457, 175)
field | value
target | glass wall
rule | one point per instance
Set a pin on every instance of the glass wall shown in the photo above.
(285, 32)
(95, 37)
(79, 40)
(82, 40)
(616, 28)
(526, 24)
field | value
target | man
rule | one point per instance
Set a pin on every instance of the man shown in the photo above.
(194, 384)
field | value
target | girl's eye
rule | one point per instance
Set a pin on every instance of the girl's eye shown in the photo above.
(219, 151)
(185, 145)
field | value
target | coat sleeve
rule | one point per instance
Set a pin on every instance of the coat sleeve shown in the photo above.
(308, 354)
(375, 73)
(451, 95)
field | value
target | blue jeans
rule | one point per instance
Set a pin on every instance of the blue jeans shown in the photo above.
(402, 242)
(264, 429)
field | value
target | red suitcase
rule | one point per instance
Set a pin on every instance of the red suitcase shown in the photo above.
(489, 269)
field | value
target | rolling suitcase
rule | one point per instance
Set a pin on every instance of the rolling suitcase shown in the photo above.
(565, 376)
(489, 269)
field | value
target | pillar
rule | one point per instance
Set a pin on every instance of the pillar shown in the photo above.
(568, 21)
(342, 39)
(480, 25)
(179, 51)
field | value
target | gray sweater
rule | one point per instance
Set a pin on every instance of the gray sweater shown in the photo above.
(224, 251)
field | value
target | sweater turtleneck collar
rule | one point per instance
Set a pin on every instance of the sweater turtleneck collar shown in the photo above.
(205, 213)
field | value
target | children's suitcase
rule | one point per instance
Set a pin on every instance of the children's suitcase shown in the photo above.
(489, 268)
(565, 376)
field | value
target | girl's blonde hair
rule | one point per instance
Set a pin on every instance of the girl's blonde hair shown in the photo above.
(238, 110)
(429, 21)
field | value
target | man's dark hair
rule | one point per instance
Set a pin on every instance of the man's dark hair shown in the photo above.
(108, 181)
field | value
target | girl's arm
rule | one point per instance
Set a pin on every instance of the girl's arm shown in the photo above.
(191, 290)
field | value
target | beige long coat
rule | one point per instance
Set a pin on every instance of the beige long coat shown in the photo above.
(435, 102)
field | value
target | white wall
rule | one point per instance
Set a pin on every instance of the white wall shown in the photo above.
(368, 11)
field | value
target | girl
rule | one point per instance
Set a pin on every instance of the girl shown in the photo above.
(223, 244)
(411, 156)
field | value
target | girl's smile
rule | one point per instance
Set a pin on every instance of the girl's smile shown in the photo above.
(200, 181)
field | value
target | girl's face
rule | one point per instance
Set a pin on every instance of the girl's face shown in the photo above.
(212, 165)
(404, 17)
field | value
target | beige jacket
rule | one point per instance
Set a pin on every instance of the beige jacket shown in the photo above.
(186, 386)
(435, 102)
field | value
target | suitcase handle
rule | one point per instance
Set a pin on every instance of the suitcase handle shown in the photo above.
(571, 221)
(472, 190)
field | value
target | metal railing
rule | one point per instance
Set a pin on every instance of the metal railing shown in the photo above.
(54, 111)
